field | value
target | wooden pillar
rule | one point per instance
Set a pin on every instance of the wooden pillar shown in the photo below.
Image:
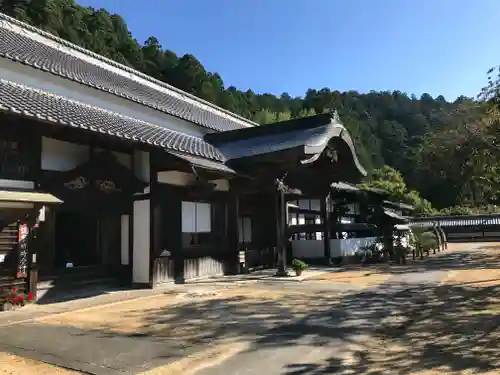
(171, 231)
(32, 251)
(233, 237)
(154, 219)
(281, 231)
(325, 216)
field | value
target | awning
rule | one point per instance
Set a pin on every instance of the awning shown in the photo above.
(203, 163)
(28, 197)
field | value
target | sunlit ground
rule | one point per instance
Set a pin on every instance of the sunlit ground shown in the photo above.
(15, 365)
(450, 328)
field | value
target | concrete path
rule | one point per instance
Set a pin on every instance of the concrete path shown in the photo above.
(341, 339)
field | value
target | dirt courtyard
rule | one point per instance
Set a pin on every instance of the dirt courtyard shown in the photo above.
(439, 316)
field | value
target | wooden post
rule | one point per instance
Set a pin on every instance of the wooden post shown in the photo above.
(154, 220)
(233, 237)
(172, 230)
(280, 235)
(32, 250)
(326, 227)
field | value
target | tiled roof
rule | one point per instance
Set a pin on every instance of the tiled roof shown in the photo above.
(399, 205)
(44, 106)
(312, 133)
(203, 162)
(140, 88)
(344, 187)
(393, 215)
(458, 221)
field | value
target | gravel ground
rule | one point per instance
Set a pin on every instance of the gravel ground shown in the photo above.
(440, 316)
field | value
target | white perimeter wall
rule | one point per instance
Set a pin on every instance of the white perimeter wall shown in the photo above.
(141, 242)
(338, 248)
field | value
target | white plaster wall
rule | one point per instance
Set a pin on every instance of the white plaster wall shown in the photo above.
(21, 205)
(308, 249)
(309, 204)
(221, 185)
(315, 205)
(141, 243)
(245, 229)
(188, 216)
(349, 246)
(141, 165)
(121, 157)
(338, 248)
(17, 184)
(489, 234)
(196, 217)
(203, 217)
(62, 156)
(44, 81)
(178, 178)
(304, 204)
(125, 230)
(353, 208)
(467, 234)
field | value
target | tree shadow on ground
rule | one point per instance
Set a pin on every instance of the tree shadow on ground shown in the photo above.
(484, 257)
(448, 328)
(392, 331)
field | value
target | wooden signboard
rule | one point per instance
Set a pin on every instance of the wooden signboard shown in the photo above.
(23, 237)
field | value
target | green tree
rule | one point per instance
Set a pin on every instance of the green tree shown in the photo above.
(389, 127)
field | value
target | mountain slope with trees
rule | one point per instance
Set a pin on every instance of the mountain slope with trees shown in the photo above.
(424, 139)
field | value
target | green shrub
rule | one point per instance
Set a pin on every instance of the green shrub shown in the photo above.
(427, 240)
(299, 265)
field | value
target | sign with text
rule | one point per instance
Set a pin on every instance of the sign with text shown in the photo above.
(23, 238)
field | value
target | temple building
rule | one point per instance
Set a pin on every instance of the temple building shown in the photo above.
(109, 174)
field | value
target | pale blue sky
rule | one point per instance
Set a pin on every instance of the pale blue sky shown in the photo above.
(435, 46)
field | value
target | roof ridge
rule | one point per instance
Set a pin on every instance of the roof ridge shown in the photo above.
(124, 68)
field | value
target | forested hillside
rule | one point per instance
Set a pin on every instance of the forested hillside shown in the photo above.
(424, 138)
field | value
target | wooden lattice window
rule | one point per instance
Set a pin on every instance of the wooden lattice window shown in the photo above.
(16, 156)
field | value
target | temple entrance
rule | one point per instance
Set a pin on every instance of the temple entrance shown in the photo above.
(76, 242)
(86, 255)
(86, 239)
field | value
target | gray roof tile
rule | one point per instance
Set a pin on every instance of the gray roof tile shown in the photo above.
(25, 49)
(312, 134)
(204, 163)
(41, 105)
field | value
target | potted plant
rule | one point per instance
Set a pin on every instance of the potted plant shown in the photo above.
(16, 299)
(299, 266)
